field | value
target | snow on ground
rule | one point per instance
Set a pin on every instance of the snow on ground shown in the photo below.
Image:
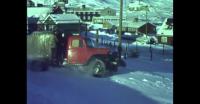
(141, 81)
(153, 86)
(152, 78)
(59, 88)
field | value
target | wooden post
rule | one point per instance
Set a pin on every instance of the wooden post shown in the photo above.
(163, 49)
(136, 47)
(101, 40)
(127, 48)
(151, 52)
(97, 37)
(79, 27)
(86, 31)
(114, 43)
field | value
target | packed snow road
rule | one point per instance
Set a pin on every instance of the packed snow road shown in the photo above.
(71, 86)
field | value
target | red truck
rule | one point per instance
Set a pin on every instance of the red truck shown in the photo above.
(75, 50)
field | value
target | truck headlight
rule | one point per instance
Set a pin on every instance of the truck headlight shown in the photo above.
(115, 63)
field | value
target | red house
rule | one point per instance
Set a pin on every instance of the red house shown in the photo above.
(165, 33)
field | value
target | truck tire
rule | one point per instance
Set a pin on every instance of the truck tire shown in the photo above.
(38, 66)
(98, 68)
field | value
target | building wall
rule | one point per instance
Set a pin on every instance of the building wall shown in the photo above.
(107, 25)
(101, 20)
(108, 12)
(131, 30)
(65, 1)
(125, 29)
(141, 8)
(32, 28)
(71, 28)
(85, 16)
(169, 40)
(97, 20)
(151, 29)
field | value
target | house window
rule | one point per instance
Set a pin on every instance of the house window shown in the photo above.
(51, 27)
(77, 43)
(89, 18)
(84, 18)
(77, 13)
(46, 28)
(164, 39)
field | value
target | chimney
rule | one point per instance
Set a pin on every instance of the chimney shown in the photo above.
(83, 6)
(136, 19)
(65, 1)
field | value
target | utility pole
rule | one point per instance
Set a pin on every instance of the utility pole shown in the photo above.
(120, 29)
(150, 48)
(146, 23)
(136, 41)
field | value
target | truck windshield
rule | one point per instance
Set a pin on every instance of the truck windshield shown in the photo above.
(89, 43)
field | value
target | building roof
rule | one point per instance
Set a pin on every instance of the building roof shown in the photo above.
(45, 2)
(37, 11)
(109, 17)
(108, 8)
(79, 8)
(128, 24)
(96, 26)
(164, 30)
(133, 24)
(63, 18)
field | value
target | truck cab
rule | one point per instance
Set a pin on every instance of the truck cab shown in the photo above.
(80, 50)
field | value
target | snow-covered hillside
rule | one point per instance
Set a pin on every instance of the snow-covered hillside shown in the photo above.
(161, 8)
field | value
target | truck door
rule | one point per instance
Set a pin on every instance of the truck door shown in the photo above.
(76, 52)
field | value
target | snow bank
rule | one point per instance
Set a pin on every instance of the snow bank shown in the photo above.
(155, 87)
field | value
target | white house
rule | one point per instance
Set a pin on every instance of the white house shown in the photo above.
(138, 6)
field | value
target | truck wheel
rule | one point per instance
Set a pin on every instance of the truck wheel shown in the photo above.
(38, 66)
(98, 68)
